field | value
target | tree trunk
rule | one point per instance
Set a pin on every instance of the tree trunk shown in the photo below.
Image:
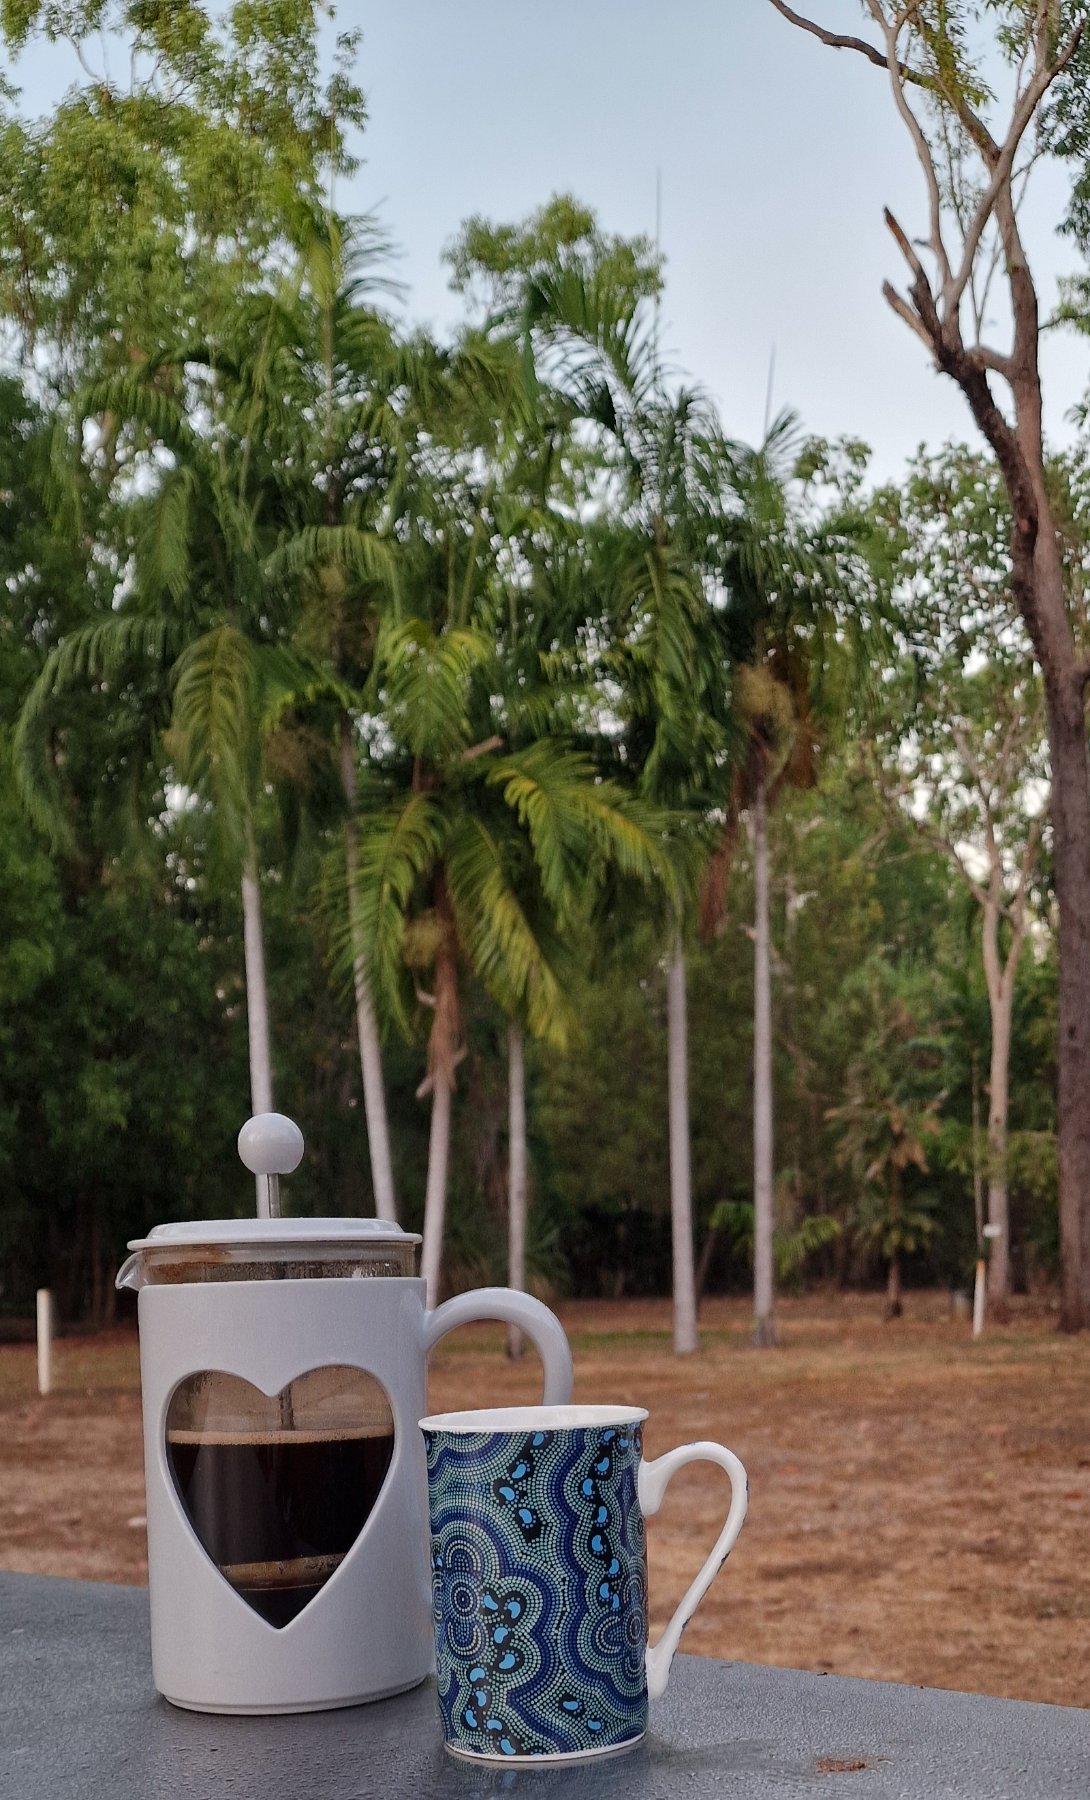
(435, 1199)
(444, 1053)
(516, 1174)
(707, 1251)
(1037, 584)
(1071, 850)
(894, 1305)
(764, 1317)
(681, 1204)
(374, 1092)
(257, 1004)
(1000, 983)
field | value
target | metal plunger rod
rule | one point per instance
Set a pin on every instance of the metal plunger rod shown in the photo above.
(271, 1145)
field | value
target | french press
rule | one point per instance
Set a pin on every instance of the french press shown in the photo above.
(283, 1372)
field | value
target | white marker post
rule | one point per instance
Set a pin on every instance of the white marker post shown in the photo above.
(989, 1232)
(45, 1340)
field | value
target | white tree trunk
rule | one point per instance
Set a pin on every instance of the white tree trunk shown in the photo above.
(516, 1173)
(435, 1199)
(681, 1203)
(764, 1318)
(999, 978)
(999, 1275)
(374, 1091)
(257, 1005)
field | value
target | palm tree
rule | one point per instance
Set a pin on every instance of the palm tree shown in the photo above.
(326, 395)
(661, 652)
(202, 628)
(472, 866)
(789, 632)
(890, 1114)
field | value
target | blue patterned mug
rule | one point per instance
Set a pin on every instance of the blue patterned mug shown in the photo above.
(539, 1576)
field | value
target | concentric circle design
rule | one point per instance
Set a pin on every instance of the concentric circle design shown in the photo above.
(539, 1588)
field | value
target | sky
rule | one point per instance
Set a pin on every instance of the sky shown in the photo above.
(775, 155)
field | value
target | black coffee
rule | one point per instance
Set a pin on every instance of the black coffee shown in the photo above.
(277, 1511)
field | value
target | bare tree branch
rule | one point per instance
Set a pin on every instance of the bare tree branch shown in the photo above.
(905, 312)
(1029, 857)
(1021, 119)
(890, 30)
(835, 39)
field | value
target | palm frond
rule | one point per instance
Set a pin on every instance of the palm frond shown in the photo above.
(426, 677)
(502, 946)
(214, 725)
(397, 848)
(361, 555)
(164, 539)
(578, 825)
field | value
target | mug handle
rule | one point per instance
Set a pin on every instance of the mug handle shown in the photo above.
(512, 1307)
(654, 1479)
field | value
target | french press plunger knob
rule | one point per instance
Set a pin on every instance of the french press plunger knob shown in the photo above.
(271, 1145)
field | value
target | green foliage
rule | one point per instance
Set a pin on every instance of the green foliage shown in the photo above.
(563, 236)
(135, 208)
(792, 1247)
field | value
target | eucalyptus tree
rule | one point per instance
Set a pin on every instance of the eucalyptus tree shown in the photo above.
(972, 86)
(186, 158)
(959, 742)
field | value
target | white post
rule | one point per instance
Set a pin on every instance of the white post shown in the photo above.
(990, 1232)
(45, 1340)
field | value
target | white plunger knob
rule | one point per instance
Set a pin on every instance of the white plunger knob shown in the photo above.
(271, 1144)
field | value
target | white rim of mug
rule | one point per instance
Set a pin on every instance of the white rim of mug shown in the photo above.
(533, 1418)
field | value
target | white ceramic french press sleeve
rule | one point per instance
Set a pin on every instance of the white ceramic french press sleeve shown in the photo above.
(654, 1478)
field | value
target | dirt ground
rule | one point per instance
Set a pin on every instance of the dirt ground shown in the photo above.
(920, 1505)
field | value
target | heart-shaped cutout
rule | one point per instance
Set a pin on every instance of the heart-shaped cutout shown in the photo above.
(278, 1487)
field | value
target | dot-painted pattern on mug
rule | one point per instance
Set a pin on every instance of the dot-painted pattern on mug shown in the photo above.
(539, 1588)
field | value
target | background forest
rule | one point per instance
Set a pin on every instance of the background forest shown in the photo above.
(454, 743)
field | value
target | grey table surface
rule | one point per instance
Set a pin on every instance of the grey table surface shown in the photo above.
(79, 1717)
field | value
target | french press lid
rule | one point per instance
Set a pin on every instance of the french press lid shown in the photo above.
(267, 1248)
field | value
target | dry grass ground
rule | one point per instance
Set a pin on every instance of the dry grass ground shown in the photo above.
(920, 1505)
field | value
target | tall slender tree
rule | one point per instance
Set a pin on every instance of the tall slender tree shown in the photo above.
(791, 614)
(959, 743)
